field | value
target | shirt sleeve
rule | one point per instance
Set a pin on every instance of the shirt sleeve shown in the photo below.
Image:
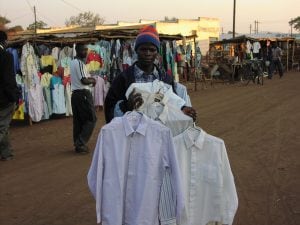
(115, 93)
(82, 70)
(95, 175)
(170, 161)
(230, 198)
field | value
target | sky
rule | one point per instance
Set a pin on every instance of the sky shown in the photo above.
(273, 15)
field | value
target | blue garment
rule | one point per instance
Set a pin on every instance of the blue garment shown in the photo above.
(14, 53)
(58, 96)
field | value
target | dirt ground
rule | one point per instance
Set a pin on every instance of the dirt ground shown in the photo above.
(46, 182)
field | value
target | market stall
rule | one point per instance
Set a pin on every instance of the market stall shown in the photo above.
(42, 65)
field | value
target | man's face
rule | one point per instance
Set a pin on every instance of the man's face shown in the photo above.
(146, 54)
(82, 52)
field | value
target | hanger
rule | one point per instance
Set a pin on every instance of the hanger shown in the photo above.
(195, 127)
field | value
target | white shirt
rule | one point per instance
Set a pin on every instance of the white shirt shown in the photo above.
(126, 174)
(256, 47)
(157, 86)
(209, 189)
(78, 71)
(248, 47)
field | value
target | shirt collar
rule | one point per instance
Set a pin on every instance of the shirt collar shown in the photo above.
(189, 142)
(142, 126)
(138, 72)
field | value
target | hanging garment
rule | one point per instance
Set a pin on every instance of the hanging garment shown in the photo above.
(131, 155)
(58, 96)
(43, 50)
(170, 98)
(55, 53)
(210, 193)
(94, 48)
(68, 96)
(256, 47)
(15, 55)
(99, 91)
(45, 83)
(29, 66)
(181, 91)
(35, 103)
(48, 60)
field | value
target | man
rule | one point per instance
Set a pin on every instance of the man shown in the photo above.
(84, 115)
(144, 70)
(276, 62)
(8, 97)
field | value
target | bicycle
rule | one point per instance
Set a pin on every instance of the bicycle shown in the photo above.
(252, 70)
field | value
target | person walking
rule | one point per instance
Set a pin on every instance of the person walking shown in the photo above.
(276, 62)
(8, 97)
(84, 115)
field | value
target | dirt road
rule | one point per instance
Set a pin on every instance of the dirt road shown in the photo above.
(46, 182)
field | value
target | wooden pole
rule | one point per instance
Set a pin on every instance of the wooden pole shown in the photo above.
(287, 57)
(233, 28)
(195, 62)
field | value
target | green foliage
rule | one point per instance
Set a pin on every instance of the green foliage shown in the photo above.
(295, 23)
(4, 20)
(39, 25)
(86, 19)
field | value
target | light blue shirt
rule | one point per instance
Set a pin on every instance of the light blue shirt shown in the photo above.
(58, 96)
(127, 170)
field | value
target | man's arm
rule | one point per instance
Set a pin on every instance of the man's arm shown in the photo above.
(10, 87)
(115, 93)
(88, 81)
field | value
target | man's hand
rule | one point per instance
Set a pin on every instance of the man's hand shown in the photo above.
(93, 81)
(134, 101)
(189, 111)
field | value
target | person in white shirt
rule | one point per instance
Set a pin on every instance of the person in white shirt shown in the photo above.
(84, 115)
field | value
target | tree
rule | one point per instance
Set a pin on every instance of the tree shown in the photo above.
(170, 19)
(86, 19)
(295, 23)
(4, 20)
(39, 25)
(17, 28)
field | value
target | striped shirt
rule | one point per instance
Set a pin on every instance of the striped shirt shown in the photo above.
(78, 71)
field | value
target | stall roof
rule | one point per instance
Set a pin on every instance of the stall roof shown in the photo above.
(238, 39)
(77, 34)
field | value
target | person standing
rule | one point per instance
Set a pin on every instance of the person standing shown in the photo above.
(147, 46)
(84, 115)
(8, 97)
(277, 64)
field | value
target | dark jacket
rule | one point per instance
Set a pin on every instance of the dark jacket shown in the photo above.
(8, 86)
(119, 87)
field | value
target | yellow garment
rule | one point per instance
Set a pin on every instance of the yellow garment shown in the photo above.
(47, 60)
(45, 79)
(93, 66)
(19, 113)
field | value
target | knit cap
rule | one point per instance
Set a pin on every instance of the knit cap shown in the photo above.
(148, 34)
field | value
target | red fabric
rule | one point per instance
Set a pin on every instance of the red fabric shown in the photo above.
(92, 56)
(60, 72)
(125, 66)
(66, 80)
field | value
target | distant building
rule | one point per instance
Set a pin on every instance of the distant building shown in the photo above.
(206, 29)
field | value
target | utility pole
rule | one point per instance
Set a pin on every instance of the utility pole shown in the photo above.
(34, 11)
(250, 28)
(233, 29)
(291, 30)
